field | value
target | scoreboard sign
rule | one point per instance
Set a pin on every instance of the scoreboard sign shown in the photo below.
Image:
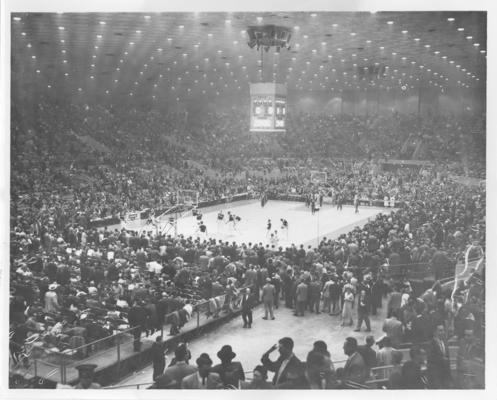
(267, 107)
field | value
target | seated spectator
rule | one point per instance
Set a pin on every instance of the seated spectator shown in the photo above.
(412, 377)
(355, 369)
(393, 329)
(367, 352)
(259, 380)
(395, 380)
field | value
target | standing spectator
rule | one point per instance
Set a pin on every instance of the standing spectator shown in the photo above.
(394, 301)
(248, 302)
(231, 372)
(376, 295)
(335, 296)
(393, 329)
(438, 368)
(288, 369)
(363, 307)
(348, 301)
(301, 298)
(327, 296)
(314, 296)
(158, 357)
(268, 293)
(137, 318)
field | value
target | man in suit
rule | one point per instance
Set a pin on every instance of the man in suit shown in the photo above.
(137, 318)
(355, 369)
(203, 378)
(301, 298)
(412, 377)
(173, 375)
(438, 366)
(367, 352)
(288, 369)
(393, 329)
(86, 376)
(394, 301)
(250, 276)
(158, 357)
(248, 302)
(314, 291)
(268, 293)
(363, 307)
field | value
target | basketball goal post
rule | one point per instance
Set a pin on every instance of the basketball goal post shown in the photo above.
(318, 177)
(187, 198)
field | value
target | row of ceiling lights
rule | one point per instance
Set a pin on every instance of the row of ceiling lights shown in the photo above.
(61, 28)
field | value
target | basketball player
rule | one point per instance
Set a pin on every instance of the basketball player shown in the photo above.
(220, 217)
(284, 226)
(203, 230)
(231, 220)
(268, 228)
(275, 239)
(356, 203)
(339, 201)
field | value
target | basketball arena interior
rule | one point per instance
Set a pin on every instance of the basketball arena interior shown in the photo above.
(247, 200)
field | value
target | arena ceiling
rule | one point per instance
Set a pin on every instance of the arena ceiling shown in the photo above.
(190, 55)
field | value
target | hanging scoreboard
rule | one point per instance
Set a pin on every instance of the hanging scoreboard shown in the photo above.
(267, 107)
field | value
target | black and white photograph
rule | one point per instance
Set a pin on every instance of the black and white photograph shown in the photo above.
(245, 199)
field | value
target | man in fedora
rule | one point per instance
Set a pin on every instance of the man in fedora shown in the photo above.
(203, 378)
(173, 375)
(86, 375)
(231, 372)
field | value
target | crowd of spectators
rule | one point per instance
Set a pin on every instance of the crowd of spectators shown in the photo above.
(72, 284)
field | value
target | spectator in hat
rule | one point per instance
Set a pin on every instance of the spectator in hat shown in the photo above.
(174, 374)
(86, 376)
(203, 378)
(51, 299)
(231, 372)
(259, 380)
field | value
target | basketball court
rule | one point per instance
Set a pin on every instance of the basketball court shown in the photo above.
(303, 227)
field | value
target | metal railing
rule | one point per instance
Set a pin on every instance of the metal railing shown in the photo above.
(61, 365)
